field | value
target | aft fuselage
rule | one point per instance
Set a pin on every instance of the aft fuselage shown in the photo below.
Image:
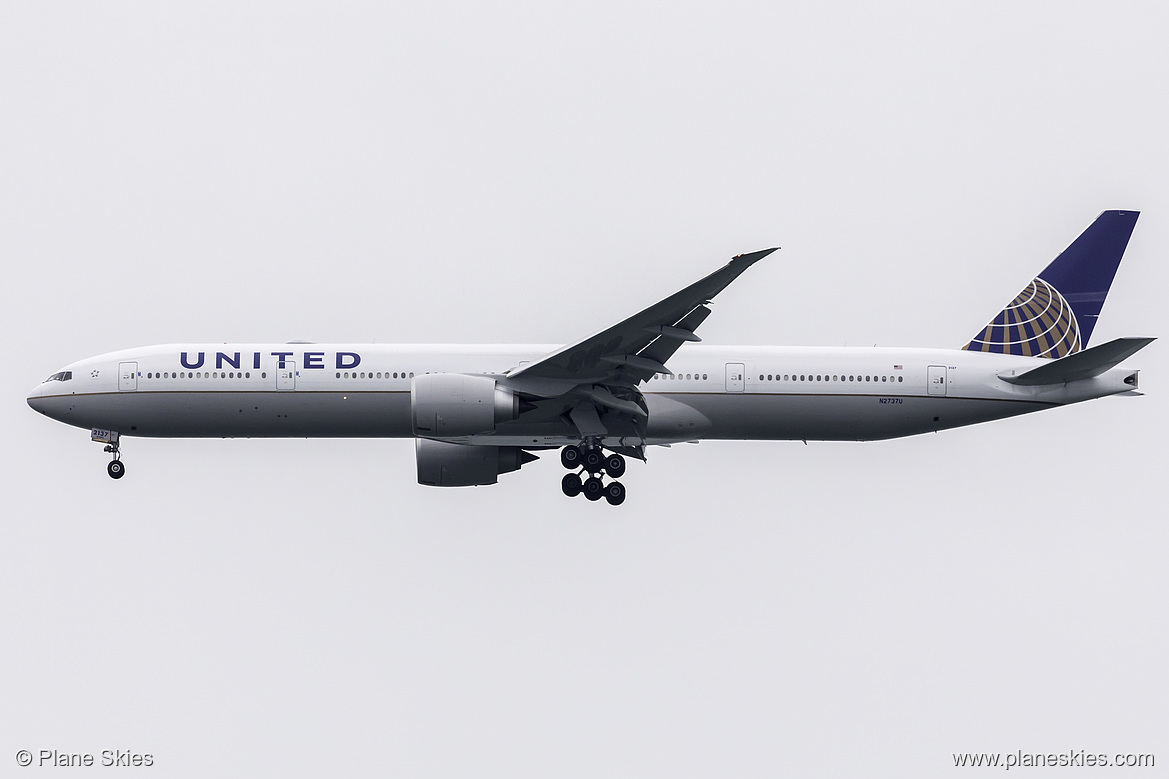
(715, 392)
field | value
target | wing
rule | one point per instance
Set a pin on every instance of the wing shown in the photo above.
(635, 349)
(588, 390)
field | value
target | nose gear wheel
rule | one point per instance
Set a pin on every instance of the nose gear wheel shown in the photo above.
(116, 468)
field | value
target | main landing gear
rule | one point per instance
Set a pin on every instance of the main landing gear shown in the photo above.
(593, 461)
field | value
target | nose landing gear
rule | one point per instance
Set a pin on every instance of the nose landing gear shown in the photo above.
(591, 460)
(116, 469)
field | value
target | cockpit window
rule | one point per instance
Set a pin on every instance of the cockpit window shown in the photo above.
(62, 376)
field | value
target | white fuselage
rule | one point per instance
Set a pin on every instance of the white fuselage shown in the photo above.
(716, 392)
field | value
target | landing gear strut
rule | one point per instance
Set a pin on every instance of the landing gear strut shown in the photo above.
(116, 469)
(594, 462)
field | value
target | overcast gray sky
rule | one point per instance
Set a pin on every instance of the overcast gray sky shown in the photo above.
(532, 172)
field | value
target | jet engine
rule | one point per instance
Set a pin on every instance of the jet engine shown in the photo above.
(443, 464)
(449, 405)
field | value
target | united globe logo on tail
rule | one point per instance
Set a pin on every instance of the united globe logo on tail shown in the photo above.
(1055, 314)
(1039, 322)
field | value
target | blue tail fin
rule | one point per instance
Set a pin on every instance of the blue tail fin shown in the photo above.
(1055, 314)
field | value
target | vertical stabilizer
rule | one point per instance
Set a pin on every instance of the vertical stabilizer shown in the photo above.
(1055, 314)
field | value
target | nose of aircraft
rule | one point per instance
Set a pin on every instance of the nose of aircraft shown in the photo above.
(36, 398)
(47, 397)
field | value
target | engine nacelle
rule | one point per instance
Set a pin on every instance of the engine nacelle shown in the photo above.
(443, 464)
(449, 405)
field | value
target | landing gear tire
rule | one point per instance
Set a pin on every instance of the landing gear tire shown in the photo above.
(594, 488)
(570, 457)
(593, 459)
(615, 493)
(571, 485)
(615, 466)
(115, 469)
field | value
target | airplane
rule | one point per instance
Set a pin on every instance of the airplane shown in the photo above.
(476, 412)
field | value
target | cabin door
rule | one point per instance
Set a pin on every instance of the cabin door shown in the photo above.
(937, 380)
(127, 376)
(286, 376)
(735, 377)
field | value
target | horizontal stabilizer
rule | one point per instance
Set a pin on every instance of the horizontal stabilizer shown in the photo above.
(1081, 365)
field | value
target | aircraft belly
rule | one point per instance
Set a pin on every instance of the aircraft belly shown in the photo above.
(246, 414)
(838, 417)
